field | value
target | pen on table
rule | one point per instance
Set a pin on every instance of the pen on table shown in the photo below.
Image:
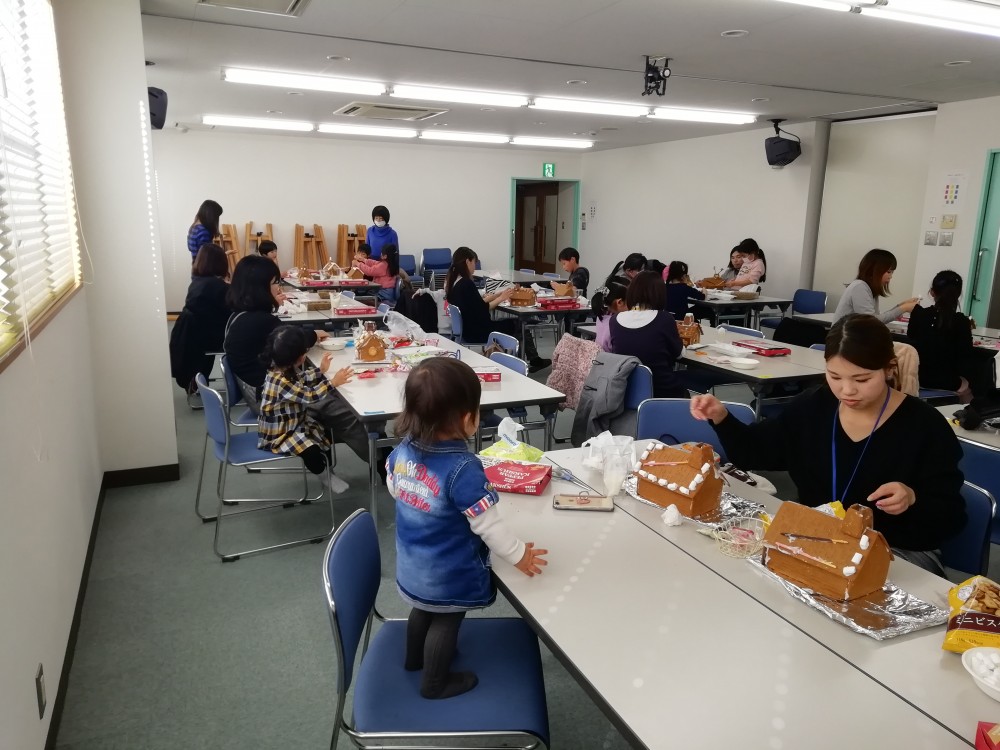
(375, 412)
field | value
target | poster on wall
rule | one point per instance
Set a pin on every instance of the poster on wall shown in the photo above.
(954, 185)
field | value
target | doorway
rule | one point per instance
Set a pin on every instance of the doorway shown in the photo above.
(984, 286)
(544, 222)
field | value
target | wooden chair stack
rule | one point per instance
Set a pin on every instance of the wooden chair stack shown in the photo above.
(229, 241)
(253, 239)
(310, 250)
(347, 246)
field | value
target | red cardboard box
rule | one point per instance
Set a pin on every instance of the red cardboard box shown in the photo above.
(358, 310)
(488, 374)
(558, 303)
(987, 736)
(764, 348)
(512, 476)
(349, 282)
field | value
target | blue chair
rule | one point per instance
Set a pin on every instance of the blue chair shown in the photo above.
(526, 270)
(234, 397)
(549, 275)
(505, 341)
(241, 450)
(669, 420)
(969, 550)
(456, 328)
(804, 301)
(507, 706)
(938, 396)
(752, 332)
(383, 308)
(639, 387)
(818, 347)
(981, 466)
(408, 264)
(347, 293)
(434, 265)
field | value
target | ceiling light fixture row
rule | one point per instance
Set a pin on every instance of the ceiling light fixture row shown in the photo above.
(431, 135)
(483, 98)
(955, 15)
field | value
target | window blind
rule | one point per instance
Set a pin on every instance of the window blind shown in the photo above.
(39, 246)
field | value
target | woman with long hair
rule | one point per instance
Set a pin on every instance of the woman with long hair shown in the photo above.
(735, 262)
(753, 269)
(205, 227)
(860, 441)
(461, 292)
(862, 294)
(680, 290)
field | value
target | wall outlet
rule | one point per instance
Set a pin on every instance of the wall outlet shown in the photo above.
(40, 691)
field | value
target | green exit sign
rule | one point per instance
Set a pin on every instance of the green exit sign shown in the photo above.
(548, 169)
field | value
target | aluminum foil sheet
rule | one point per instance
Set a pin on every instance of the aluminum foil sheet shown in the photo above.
(730, 506)
(882, 615)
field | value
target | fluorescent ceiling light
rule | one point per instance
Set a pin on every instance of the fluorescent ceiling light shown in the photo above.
(461, 96)
(444, 135)
(824, 4)
(550, 142)
(300, 81)
(939, 23)
(261, 123)
(968, 12)
(703, 115)
(334, 127)
(589, 108)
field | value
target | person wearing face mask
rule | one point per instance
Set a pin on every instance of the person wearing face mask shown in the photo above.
(380, 233)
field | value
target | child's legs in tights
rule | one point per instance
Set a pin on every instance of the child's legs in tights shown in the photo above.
(315, 458)
(431, 638)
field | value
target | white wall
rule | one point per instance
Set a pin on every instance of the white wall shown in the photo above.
(438, 196)
(51, 478)
(567, 219)
(964, 132)
(875, 180)
(693, 201)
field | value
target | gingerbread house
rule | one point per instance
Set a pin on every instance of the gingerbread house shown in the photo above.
(689, 330)
(685, 476)
(369, 345)
(838, 558)
(355, 273)
(522, 297)
(712, 282)
(563, 290)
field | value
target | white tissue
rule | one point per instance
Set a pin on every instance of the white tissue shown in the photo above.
(671, 516)
(507, 431)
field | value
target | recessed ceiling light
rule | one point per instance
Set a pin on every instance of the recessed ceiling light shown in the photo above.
(487, 109)
(957, 63)
(338, 58)
(295, 93)
(301, 81)
(538, 122)
(760, 99)
(734, 33)
(275, 112)
(437, 135)
(550, 142)
(576, 82)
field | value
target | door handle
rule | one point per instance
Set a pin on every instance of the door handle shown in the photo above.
(975, 275)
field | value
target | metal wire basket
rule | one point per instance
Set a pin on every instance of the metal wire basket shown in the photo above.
(741, 537)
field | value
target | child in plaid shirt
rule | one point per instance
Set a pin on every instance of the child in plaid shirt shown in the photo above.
(285, 425)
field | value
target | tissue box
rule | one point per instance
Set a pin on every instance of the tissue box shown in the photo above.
(987, 736)
(355, 310)
(558, 303)
(524, 479)
(488, 374)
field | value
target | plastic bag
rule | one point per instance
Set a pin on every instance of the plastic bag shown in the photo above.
(400, 325)
(975, 615)
(598, 446)
(508, 446)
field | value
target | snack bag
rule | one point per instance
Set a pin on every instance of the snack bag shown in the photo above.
(975, 615)
(508, 446)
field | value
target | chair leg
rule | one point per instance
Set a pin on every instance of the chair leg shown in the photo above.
(201, 478)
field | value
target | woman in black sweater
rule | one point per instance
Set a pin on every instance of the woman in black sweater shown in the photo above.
(857, 440)
(477, 324)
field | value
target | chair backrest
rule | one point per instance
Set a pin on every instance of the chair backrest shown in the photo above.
(505, 341)
(742, 331)
(347, 293)
(456, 322)
(669, 420)
(408, 263)
(215, 413)
(233, 392)
(818, 347)
(383, 308)
(639, 387)
(969, 550)
(351, 575)
(510, 362)
(809, 301)
(981, 466)
(435, 259)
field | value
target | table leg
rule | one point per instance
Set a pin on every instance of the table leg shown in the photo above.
(373, 474)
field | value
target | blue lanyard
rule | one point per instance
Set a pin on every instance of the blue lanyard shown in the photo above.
(833, 446)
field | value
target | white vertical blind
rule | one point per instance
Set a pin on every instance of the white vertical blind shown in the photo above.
(39, 247)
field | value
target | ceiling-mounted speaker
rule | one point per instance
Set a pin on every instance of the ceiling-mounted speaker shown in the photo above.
(781, 151)
(157, 107)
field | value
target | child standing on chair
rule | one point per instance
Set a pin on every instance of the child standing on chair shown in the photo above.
(446, 521)
(285, 424)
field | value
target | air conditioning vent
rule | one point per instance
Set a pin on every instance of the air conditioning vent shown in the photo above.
(389, 111)
(274, 7)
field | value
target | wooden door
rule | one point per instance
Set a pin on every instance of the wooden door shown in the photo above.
(535, 223)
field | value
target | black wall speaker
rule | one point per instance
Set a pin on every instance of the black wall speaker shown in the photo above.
(157, 108)
(781, 151)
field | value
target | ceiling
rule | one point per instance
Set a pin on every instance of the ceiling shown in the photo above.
(801, 63)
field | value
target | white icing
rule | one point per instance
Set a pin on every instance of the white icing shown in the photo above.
(645, 455)
(705, 467)
(644, 475)
(671, 516)
(693, 486)
(637, 466)
(685, 491)
(857, 558)
(850, 570)
(864, 541)
(698, 479)
(650, 446)
(672, 486)
(662, 483)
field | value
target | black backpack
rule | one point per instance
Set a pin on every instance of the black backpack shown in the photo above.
(418, 306)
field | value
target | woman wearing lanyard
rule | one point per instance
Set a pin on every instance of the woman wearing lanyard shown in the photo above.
(858, 440)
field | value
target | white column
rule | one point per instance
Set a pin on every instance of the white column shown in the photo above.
(104, 87)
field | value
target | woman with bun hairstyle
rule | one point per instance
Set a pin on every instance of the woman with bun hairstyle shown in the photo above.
(860, 441)
(862, 294)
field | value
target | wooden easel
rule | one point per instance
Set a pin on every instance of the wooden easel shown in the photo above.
(310, 252)
(230, 243)
(253, 240)
(347, 246)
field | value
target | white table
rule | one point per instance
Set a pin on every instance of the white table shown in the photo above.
(376, 400)
(325, 316)
(684, 647)
(749, 308)
(523, 278)
(559, 316)
(349, 284)
(587, 332)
